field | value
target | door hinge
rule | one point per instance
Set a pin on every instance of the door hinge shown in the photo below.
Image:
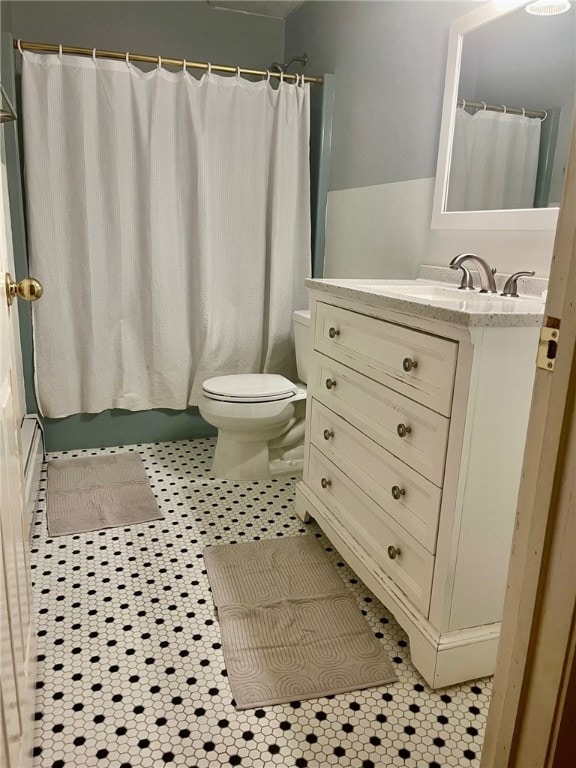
(547, 348)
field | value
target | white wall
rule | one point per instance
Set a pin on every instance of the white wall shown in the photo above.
(384, 231)
(389, 60)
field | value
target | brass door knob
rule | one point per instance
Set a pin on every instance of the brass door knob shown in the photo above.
(398, 492)
(328, 434)
(333, 332)
(393, 552)
(330, 383)
(325, 482)
(28, 289)
(403, 430)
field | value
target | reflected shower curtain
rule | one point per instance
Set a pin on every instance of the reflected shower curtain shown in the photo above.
(169, 223)
(494, 161)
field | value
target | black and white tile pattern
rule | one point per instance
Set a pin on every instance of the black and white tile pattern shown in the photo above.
(131, 672)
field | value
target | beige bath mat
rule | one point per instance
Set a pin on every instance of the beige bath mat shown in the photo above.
(97, 492)
(290, 628)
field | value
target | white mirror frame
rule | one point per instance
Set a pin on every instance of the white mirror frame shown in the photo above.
(527, 218)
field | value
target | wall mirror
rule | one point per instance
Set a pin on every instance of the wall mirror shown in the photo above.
(507, 117)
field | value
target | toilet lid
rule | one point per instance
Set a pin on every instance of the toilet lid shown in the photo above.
(249, 387)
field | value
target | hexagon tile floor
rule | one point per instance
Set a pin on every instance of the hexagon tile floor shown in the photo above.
(131, 673)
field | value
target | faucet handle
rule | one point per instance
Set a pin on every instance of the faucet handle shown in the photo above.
(511, 285)
(467, 283)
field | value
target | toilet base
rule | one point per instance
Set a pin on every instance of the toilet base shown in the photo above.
(275, 448)
(289, 463)
(236, 458)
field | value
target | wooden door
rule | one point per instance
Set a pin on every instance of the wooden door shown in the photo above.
(531, 716)
(16, 635)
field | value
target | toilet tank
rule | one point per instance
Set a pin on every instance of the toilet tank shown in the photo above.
(301, 320)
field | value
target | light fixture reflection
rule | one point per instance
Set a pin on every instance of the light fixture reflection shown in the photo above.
(548, 7)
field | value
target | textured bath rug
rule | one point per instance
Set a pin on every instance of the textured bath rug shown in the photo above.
(97, 492)
(290, 628)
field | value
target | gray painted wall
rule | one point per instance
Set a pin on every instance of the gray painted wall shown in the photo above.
(523, 60)
(189, 29)
(389, 59)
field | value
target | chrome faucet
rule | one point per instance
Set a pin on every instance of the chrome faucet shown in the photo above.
(487, 282)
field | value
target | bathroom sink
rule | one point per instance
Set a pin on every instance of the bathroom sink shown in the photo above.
(425, 292)
(438, 300)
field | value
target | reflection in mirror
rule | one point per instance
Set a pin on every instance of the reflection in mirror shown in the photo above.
(514, 112)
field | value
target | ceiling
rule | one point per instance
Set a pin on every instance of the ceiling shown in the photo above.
(279, 9)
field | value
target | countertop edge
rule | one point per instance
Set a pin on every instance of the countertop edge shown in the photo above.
(421, 309)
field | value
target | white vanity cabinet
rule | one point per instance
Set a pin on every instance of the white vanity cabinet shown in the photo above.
(414, 446)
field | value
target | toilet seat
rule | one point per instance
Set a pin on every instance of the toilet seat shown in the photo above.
(249, 388)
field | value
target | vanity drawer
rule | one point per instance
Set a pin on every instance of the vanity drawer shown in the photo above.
(382, 414)
(410, 499)
(384, 350)
(400, 556)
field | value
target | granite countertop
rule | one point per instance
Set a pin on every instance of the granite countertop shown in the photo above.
(438, 303)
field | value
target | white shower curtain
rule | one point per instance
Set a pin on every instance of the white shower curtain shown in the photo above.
(494, 161)
(168, 219)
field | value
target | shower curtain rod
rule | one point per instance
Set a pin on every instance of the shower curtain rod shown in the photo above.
(542, 114)
(162, 60)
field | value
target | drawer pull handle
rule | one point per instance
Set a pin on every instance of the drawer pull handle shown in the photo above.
(393, 552)
(333, 332)
(398, 492)
(330, 383)
(403, 430)
(408, 364)
(328, 434)
(325, 482)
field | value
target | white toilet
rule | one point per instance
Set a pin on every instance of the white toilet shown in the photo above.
(260, 417)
